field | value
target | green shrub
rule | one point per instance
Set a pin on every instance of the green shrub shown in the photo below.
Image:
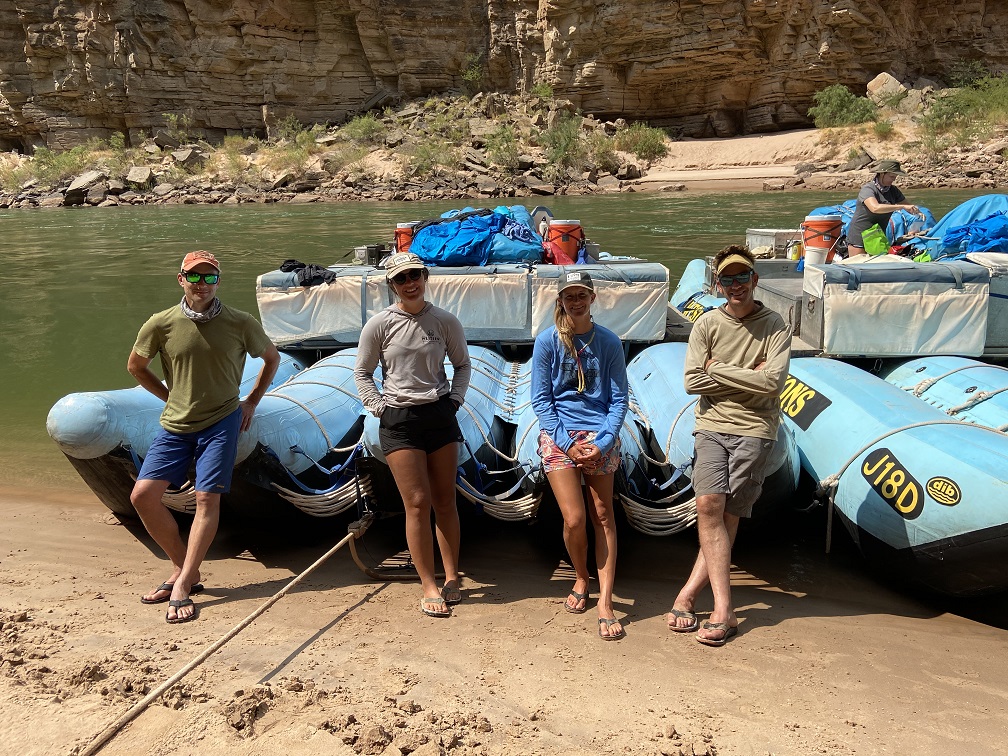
(542, 90)
(602, 151)
(424, 159)
(643, 141)
(364, 129)
(966, 73)
(54, 167)
(565, 147)
(883, 129)
(966, 115)
(472, 73)
(178, 125)
(289, 128)
(503, 148)
(838, 106)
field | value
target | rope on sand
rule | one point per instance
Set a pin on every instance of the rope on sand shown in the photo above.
(356, 531)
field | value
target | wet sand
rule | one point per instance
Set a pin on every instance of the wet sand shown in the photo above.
(829, 659)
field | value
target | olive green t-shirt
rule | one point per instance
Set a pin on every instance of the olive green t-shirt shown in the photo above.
(202, 363)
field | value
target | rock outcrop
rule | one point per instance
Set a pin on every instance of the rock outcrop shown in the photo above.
(73, 70)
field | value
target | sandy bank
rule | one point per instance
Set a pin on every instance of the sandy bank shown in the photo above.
(828, 660)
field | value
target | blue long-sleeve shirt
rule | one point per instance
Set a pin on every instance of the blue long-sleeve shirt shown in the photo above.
(601, 407)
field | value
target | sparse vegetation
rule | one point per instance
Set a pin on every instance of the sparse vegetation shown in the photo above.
(565, 148)
(643, 141)
(883, 129)
(966, 115)
(364, 129)
(838, 106)
(473, 73)
(542, 89)
(503, 148)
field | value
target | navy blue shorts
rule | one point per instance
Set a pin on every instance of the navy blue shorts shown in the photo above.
(213, 448)
(427, 427)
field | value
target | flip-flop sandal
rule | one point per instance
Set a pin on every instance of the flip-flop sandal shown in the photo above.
(730, 631)
(683, 614)
(578, 598)
(196, 588)
(426, 603)
(176, 605)
(452, 595)
(609, 623)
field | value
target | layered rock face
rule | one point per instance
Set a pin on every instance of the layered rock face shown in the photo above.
(73, 70)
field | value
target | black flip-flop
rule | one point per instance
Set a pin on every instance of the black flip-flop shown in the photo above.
(730, 631)
(176, 605)
(683, 614)
(609, 623)
(578, 598)
(195, 588)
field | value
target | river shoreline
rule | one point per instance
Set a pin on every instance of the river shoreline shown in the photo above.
(828, 658)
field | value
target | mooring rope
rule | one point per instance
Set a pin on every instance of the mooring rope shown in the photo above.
(356, 531)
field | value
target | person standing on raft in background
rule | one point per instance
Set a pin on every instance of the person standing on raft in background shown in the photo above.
(737, 361)
(202, 344)
(876, 202)
(579, 394)
(418, 430)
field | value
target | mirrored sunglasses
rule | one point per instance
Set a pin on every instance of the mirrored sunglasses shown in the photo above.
(413, 274)
(738, 278)
(208, 278)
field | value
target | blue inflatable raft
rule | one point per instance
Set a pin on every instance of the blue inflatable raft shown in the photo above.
(922, 494)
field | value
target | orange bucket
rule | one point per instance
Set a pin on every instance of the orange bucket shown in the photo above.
(403, 236)
(567, 235)
(820, 234)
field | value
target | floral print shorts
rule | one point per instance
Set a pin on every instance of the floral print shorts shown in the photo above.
(554, 458)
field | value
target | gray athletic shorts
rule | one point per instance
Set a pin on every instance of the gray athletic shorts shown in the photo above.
(730, 465)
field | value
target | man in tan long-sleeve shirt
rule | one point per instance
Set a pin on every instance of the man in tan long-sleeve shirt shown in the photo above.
(737, 362)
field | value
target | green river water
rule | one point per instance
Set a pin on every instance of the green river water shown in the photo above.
(78, 283)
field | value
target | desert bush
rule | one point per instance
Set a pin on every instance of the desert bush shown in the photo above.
(966, 115)
(838, 106)
(289, 128)
(178, 125)
(473, 73)
(602, 151)
(883, 129)
(503, 148)
(564, 146)
(424, 159)
(542, 89)
(364, 129)
(966, 73)
(643, 141)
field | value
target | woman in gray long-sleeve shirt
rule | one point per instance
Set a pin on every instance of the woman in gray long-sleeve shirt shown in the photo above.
(416, 408)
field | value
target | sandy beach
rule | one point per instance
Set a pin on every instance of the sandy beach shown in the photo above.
(829, 659)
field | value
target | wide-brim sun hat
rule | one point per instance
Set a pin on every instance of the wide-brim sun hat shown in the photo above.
(401, 261)
(890, 166)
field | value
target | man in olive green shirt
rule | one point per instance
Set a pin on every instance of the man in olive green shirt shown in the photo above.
(737, 361)
(202, 345)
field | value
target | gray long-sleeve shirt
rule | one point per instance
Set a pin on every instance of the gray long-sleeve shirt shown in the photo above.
(411, 350)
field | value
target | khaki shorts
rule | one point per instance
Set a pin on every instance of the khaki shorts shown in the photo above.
(731, 465)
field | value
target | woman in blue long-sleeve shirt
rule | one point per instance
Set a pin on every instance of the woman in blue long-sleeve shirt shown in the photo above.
(579, 394)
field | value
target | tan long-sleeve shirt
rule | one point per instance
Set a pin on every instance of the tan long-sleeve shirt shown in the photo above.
(736, 398)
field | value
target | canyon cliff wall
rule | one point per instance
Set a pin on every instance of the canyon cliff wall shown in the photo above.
(71, 70)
